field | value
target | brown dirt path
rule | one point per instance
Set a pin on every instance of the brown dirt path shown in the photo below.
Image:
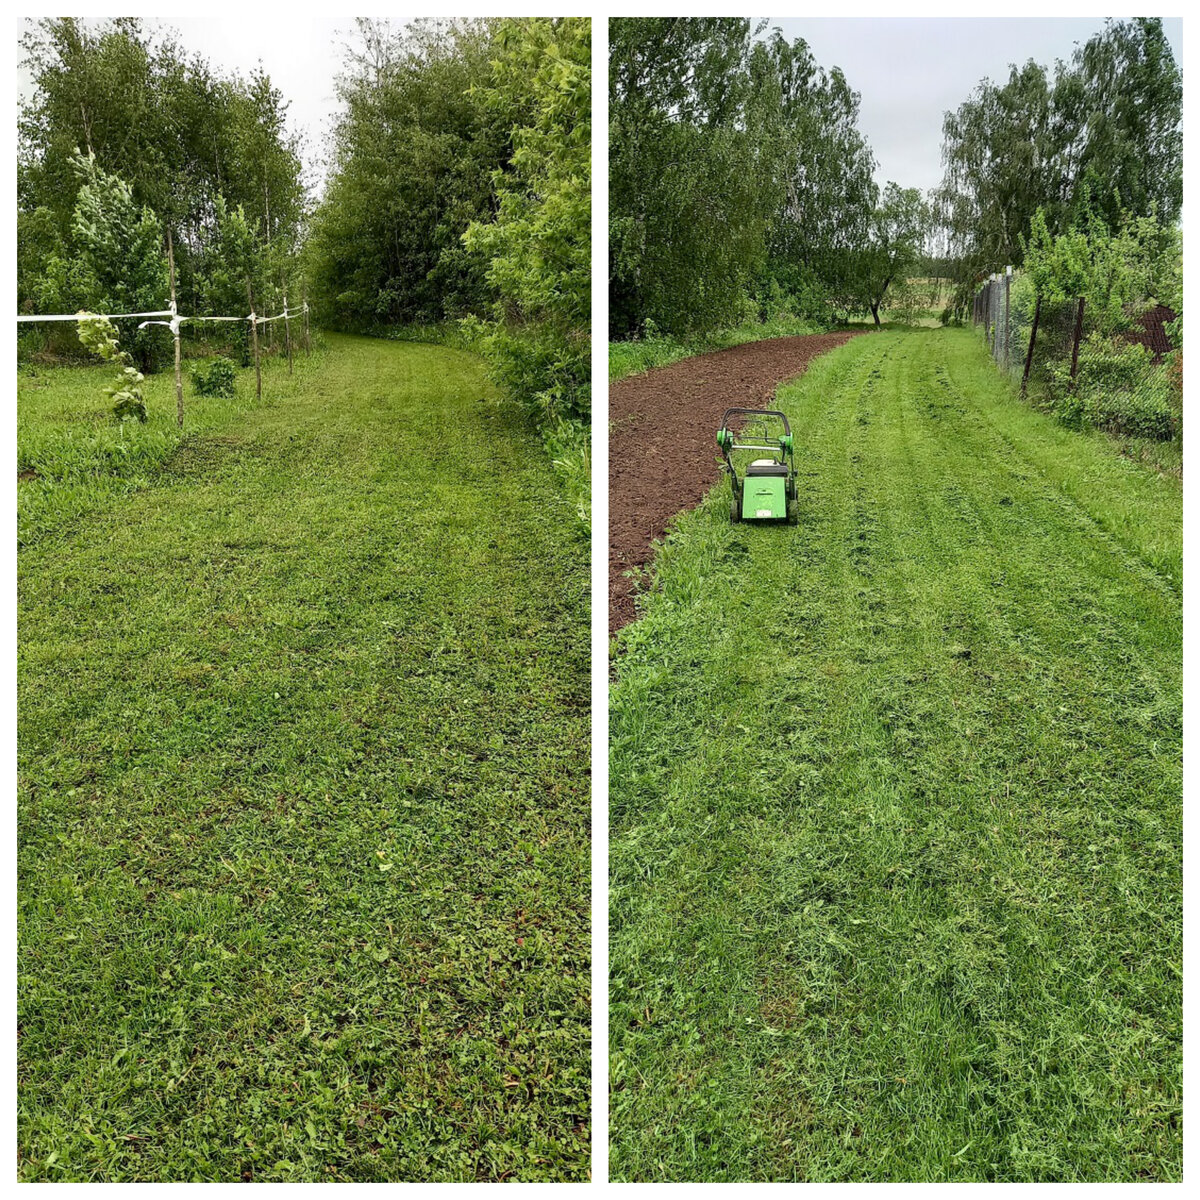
(662, 451)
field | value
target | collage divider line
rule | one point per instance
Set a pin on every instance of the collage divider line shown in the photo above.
(599, 1090)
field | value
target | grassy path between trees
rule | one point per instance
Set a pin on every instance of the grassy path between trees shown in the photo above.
(303, 801)
(896, 803)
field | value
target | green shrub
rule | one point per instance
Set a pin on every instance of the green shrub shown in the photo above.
(1119, 389)
(1132, 414)
(215, 379)
(546, 368)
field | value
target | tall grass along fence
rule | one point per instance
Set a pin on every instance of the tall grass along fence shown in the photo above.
(1126, 381)
(175, 320)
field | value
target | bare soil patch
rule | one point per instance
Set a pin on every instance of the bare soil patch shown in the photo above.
(662, 455)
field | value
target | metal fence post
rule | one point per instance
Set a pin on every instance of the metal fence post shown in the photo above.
(1078, 336)
(1037, 312)
(995, 317)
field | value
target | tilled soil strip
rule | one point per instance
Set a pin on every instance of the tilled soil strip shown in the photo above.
(662, 452)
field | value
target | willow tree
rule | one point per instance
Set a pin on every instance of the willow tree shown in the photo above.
(1100, 133)
(693, 171)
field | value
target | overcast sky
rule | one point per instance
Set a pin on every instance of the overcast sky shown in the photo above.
(910, 71)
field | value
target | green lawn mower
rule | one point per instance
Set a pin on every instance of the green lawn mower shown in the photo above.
(767, 489)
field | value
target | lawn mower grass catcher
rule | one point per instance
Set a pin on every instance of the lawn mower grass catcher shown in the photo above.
(767, 489)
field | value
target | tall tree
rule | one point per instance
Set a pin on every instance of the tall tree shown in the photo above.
(538, 243)
(816, 235)
(413, 158)
(693, 174)
(738, 177)
(1101, 134)
(1132, 151)
(180, 134)
(897, 240)
(1004, 152)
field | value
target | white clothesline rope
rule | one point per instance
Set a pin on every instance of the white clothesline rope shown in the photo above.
(169, 312)
(79, 317)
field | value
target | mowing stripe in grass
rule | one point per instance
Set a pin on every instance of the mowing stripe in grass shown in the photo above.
(303, 799)
(896, 805)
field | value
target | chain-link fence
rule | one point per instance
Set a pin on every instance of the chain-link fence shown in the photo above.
(1075, 363)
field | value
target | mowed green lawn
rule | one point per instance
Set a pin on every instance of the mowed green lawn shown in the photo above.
(303, 807)
(896, 803)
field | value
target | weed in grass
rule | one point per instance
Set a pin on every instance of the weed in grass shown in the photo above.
(896, 803)
(303, 741)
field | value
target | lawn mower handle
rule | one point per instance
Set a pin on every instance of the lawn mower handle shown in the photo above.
(756, 412)
(785, 442)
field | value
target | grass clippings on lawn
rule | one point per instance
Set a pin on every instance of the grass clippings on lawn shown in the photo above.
(896, 803)
(303, 799)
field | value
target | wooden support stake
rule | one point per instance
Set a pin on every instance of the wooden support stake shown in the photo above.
(253, 319)
(1037, 312)
(287, 332)
(175, 333)
(307, 343)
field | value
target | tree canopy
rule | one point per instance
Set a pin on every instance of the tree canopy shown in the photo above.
(168, 138)
(461, 188)
(1098, 136)
(413, 154)
(738, 177)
